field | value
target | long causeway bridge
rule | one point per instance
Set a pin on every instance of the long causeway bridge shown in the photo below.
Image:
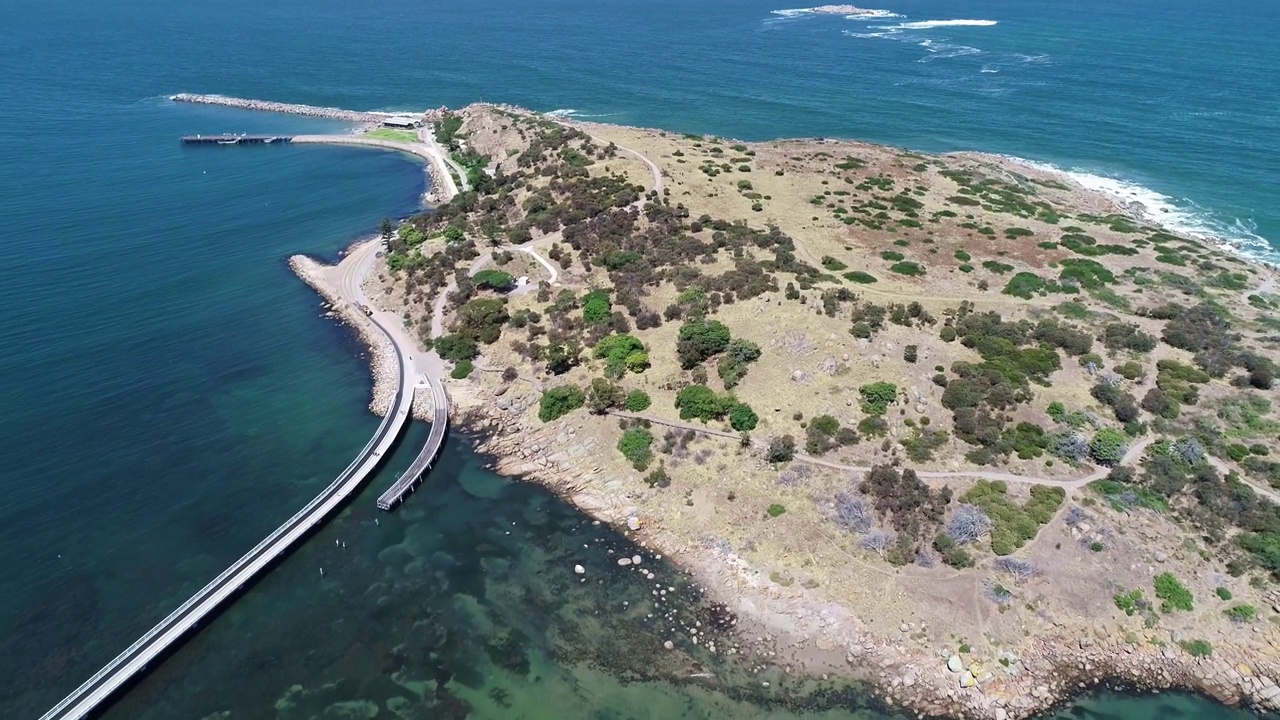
(205, 603)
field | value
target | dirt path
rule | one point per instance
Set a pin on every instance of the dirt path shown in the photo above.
(531, 248)
(1132, 455)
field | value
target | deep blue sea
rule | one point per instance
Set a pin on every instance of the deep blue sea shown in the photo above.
(169, 392)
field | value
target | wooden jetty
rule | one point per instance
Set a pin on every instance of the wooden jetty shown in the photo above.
(229, 139)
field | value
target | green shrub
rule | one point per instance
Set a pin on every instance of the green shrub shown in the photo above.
(621, 352)
(997, 267)
(775, 510)
(1024, 285)
(1121, 496)
(494, 279)
(1108, 446)
(1223, 593)
(559, 401)
(456, 347)
(1074, 309)
(1241, 613)
(596, 308)
(1017, 232)
(1173, 594)
(892, 255)
(738, 356)
(1087, 273)
(1197, 648)
(877, 397)
(911, 269)
(781, 449)
(462, 369)
(963, 256)
(832, 264)
(699, 340)
(701, 402)
(742, 418)
(637, 401)
(1013, 525)
(635, 445)
(860, 277)
(1130, 602)
(1129, 370)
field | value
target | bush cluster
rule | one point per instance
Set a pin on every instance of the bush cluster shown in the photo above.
(1013, 524)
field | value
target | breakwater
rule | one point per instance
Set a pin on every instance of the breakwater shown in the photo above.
(234, 139)
(277, 107)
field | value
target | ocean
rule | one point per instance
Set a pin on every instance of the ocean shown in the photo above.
(171, 392)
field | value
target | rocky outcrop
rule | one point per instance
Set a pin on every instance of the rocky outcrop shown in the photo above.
(1045, 672)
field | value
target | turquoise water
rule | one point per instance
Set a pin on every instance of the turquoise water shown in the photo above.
(171, 393)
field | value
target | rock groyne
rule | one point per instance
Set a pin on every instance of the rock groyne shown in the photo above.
(290, 108)
(382, 363)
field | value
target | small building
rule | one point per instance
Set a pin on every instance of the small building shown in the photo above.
(403, 122)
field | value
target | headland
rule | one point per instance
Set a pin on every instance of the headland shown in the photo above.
(948, 423)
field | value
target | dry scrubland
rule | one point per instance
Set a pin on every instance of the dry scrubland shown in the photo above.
(1059, 401)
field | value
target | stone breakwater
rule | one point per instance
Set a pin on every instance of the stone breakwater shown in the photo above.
(808, 637)
(382, 363)
(289, 108)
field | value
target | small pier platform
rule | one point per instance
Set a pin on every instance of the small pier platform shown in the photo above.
(234, 139)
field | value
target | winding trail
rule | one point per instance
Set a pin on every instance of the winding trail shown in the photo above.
(531, 248)
(1133, 454)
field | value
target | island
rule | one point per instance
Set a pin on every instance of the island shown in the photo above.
(949, 424)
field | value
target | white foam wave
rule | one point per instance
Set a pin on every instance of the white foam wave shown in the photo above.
(990, 68)
(930, 24)
(1183, 216)
(570, 113)
(944, 52)
(849, 12)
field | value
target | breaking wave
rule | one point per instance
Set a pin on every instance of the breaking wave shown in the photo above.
(939, 50)
(1238, 235)
(930, 24)
(571, 113)
(848, 12)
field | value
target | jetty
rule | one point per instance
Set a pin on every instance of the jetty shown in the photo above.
(430, 451)
(228, 139)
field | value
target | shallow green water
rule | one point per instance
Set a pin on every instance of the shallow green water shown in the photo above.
(464, 603)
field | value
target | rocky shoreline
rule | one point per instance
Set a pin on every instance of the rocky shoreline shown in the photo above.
(781, 627)
(382, 368)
